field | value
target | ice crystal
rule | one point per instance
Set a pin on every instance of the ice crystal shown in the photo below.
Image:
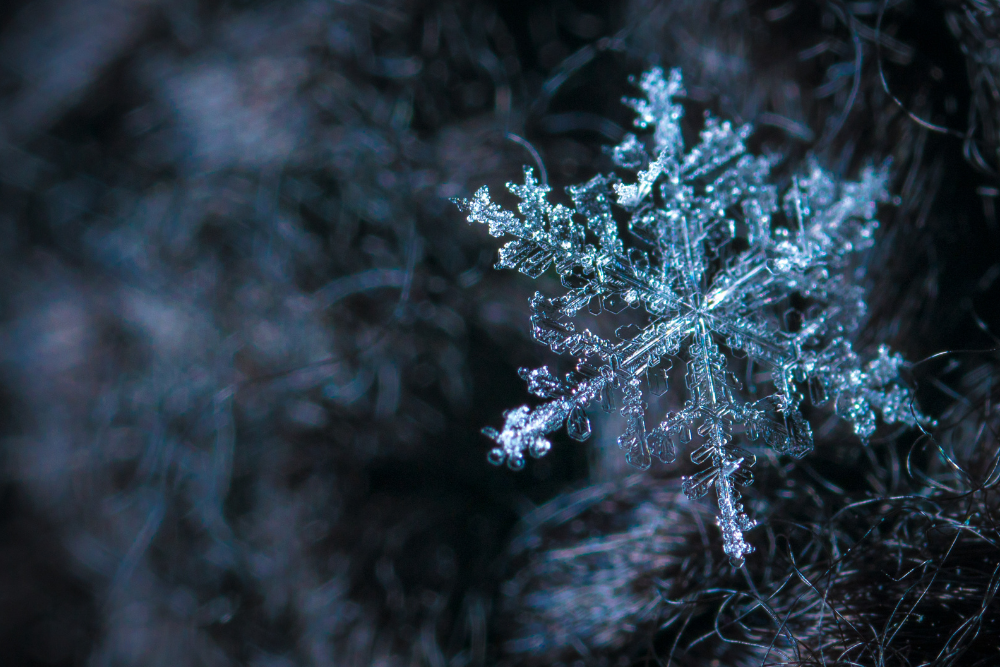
(714, 258)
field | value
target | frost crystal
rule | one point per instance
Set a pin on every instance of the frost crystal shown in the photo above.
(714, 258)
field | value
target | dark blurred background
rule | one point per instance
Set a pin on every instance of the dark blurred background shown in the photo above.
(248, 343)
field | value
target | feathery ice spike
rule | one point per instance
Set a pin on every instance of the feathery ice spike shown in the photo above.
(709, 267)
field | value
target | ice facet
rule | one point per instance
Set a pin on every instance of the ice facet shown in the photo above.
(661, 445)
(578, 424)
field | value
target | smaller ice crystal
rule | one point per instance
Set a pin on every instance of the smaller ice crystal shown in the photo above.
(713, 258)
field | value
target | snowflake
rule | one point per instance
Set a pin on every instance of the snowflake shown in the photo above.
(712, 259)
